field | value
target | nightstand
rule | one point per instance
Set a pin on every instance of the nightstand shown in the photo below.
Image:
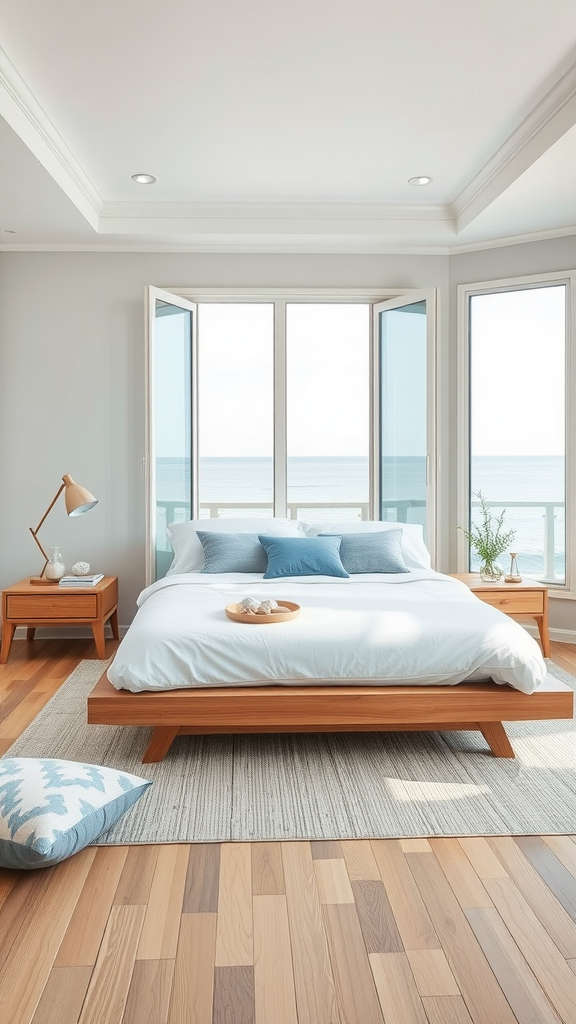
(528, 599)
(26, 605)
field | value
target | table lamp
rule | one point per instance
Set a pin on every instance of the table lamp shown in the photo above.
(78, 500)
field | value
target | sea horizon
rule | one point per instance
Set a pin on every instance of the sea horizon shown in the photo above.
(335, 480)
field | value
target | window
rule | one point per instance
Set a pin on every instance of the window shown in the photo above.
(328, 411)
(404, 374)
(235, 408)
(317, 407)
(517, 352)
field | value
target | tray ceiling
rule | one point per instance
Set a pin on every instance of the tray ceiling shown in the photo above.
(286, 127)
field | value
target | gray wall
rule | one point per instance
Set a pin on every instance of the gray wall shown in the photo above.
(72, 386)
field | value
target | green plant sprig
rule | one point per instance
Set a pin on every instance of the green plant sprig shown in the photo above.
(488, 537)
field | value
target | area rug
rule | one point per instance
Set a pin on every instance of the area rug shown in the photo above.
(320, 786)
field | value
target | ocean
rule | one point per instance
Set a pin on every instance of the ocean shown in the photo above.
(333, 482)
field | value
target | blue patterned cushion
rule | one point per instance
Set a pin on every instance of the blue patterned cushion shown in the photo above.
(50, 809)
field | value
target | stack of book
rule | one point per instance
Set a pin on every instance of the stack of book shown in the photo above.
(82, 581)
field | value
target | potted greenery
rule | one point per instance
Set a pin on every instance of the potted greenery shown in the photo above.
(489, 540)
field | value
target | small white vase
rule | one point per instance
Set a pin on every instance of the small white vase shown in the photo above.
(55, 568)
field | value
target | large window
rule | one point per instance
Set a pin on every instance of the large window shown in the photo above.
(320, 409)
(517, 421)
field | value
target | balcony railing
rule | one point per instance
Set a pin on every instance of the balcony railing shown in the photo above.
(548, 516)
(396, 511)
(215, 508)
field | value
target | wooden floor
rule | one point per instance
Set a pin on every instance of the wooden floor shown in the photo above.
(415, 931)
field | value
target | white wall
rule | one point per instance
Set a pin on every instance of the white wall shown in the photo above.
(72, 385)
(548, 256)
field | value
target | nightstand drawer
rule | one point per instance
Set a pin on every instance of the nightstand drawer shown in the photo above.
(529, 602)
(53, 606)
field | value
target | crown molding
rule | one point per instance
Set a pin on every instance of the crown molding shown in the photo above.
(500, 243)
(306, 247)
(551, 118)
(309, 246)
(29, 120)
(278, 223)
(267, 212)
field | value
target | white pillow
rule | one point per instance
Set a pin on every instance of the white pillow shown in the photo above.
(188, 551)
(414, 550)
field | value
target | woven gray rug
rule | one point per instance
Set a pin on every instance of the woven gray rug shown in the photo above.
(320, 786)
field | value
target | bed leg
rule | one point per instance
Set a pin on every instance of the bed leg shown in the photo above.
(160, 742)
(496, 738)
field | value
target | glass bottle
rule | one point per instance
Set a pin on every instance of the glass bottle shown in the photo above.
(513, 576)
(55, 568)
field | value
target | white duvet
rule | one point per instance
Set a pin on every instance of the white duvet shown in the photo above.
(412, 628)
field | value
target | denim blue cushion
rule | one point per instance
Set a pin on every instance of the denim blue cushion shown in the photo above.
(232, 552)
(50, 809)
(302, 556)
(371, 552)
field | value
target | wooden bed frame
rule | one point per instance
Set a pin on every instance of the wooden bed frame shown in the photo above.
(483, 706)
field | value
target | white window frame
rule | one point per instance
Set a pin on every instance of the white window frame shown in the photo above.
(281, 297)
(149, 460)
(464, 294)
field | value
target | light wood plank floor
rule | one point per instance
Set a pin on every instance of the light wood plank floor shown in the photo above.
(415, 931)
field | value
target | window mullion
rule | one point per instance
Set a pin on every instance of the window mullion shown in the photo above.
(280, 444)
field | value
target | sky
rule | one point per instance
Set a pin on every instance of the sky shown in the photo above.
(328, 382)
(517, 379)
(517, 349)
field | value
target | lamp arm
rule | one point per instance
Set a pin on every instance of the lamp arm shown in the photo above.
(49, 509)
(47, 512)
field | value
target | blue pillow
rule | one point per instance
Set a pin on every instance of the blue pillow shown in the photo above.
(50, 809)
(232, 552)
(371, 552)
(302, 556)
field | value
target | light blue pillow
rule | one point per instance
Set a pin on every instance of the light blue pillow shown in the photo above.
(232, 552)
(302, 556)
(371, 552)
(50, 809)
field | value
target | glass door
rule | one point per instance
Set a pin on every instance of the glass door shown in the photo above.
(171, 422)
(404, 428)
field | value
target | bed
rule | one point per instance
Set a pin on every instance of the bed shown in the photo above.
(409, 651)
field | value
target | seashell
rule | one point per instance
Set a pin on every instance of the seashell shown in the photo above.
(80, 569)
(250, 605)
(268, 606)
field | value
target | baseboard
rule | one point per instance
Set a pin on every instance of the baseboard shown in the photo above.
(560, 636)
(66, 632)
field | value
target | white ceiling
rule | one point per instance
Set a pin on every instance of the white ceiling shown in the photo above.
(286, 126)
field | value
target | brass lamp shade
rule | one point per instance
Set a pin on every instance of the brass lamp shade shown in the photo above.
(76, 497)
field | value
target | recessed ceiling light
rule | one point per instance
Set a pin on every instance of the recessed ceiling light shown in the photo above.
(420, 179)
(144, 179)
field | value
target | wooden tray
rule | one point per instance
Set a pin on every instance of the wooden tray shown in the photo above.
(289, 611)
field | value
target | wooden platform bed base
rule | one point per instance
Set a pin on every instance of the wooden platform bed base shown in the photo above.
(262, 709)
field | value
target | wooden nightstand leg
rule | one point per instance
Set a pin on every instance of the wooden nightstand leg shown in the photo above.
(114, 624)
(542, 623)
(30, 632)
(8, 630)
(99, 640)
